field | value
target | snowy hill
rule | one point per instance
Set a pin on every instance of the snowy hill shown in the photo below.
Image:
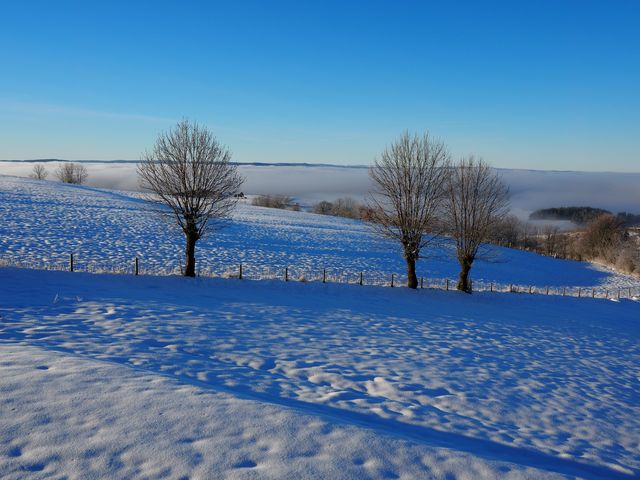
(41, 223)
(108, 376)
(117, 376)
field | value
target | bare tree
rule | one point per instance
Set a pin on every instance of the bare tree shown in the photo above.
(476, 202)
(69, 172)
(553, 241)
(510, 232)
(190, 171)
(602, 238)
(323, 208)
(409, 178)
(38, 172)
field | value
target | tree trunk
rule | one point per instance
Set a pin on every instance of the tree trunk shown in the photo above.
(412, 280)
(463, 281)
(190, 266)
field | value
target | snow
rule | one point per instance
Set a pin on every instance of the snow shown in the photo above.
(106, 229)
(101, 420)
(121, 376)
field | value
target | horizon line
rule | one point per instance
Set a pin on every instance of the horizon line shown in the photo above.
(296, 164)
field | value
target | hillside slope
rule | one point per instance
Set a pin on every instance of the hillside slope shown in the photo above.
(107, 376)
(43, 222)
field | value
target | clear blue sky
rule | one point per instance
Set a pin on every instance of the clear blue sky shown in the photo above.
(525, 84)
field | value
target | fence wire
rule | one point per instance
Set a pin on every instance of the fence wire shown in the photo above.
(293, 274)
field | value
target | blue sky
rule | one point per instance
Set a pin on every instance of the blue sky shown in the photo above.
(540, 84)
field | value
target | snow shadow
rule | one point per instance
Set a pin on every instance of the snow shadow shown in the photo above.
(540, 381)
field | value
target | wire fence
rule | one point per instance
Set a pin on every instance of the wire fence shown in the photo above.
(292, 274)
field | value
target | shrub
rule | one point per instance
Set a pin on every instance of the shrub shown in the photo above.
(342, 207)
(39, 172)
(273, 201)
(72, 173)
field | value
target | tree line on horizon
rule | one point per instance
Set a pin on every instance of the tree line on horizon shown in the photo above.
(583, 215)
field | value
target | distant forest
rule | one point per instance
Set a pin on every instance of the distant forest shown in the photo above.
(582, 215)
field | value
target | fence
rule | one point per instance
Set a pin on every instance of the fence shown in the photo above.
(288, 274)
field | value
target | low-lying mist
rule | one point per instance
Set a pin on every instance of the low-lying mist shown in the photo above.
(308, 184)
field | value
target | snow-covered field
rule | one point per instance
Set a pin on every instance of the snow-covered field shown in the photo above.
(117, 376)
(41, 223)
(113, 376)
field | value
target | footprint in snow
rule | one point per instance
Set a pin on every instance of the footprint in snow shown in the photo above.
(34, 467)
(246, 464)
(15, 452)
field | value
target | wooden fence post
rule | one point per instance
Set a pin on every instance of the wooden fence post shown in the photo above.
(511, 288)
(286, 274)
(422, 284)
(530, 287)
(593, 293)
(240, 273)
(579, 292)
(618, 294)
(71, 262)
(392, 275)
(360, 278)
(136, 266)
(564, 291)
(446, 285)
(547, 290)
(324, 275)
(491, 287)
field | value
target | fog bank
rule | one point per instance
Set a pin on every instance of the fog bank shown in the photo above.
(530, 189)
